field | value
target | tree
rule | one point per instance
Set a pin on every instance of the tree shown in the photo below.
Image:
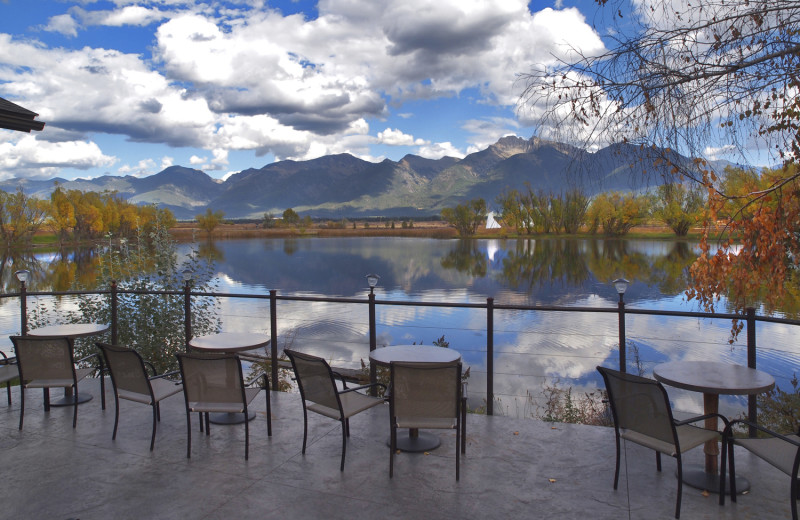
(291, 217)
(20, 217)
(210, 220)
(466, 217)
(679, 206)
(60, 214)
(693, 77)
(616, 212)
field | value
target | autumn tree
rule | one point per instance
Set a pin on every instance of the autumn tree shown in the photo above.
(679, 206)
(209, 220)
(616, 213)
(466, 217)
(60, 214)
(697, 78)
(20, 217)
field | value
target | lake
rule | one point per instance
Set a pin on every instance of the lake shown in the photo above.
(533, 350)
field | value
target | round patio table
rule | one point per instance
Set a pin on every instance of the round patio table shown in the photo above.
(416, 441)
(229, 343)
(712, 379)
(70, 331)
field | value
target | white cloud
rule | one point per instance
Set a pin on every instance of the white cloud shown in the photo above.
(63, 24)
(439, 150)
(30, 157)
(393, 137)
(166, 162)
(144, 168)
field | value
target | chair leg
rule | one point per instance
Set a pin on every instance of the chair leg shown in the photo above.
(189, 433)
(392, 448)
(793, 497)
(158, 411)
(116, 417)
(305, 427)
(208, 424)
(458, 454)
(344, 442)
(732, 471)
(155, 420)
(680, 488)
(269, 413)
(347, 423)
(246, 435)
(75, 407)
(21, 405)
(463, 425)
(46, 397)
(616, 471)
(722, 469)
(8, 391)
(102, 390)
(658, 461)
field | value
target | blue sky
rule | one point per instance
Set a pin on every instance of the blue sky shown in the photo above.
(131, 87)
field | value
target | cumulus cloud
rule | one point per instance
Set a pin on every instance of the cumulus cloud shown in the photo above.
(439, 150)
(144, 168)
(30, 157)
(394, 137)
(244, 76)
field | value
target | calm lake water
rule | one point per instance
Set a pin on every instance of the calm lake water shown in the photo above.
(533, 350)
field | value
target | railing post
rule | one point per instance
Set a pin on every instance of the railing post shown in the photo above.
(623, 354)
(114, 313)
(752, 400)
(273, 333)
(23, 308)
(373, 342)
(187, 312)
(489, 356)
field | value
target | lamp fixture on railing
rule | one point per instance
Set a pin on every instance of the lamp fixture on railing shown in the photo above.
(372, 281)
(621, 285)
(22, 275)
(187, 275)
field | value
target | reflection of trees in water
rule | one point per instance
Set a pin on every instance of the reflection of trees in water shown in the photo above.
(610, 259)
(209, 252)
(536, 262)
(671, 272)
(63, 271)
(466, 258)
(290, 246)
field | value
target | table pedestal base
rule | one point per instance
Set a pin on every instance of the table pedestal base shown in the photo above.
(230, 418)
(696, 477)
(416, 441)
(71, 400)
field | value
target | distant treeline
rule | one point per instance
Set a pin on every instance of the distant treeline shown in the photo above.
(74, 215)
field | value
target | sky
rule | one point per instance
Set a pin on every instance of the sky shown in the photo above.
(131, 87)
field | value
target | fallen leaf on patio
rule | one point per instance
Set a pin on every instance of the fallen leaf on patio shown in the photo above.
(553, 428)
(705, 493)
(427, 453)
(398, 452)
(552, 480)
(516, 433)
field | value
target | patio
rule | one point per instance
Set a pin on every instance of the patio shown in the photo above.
(514, 468)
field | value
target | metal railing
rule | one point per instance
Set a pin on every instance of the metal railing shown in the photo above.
(749, 319)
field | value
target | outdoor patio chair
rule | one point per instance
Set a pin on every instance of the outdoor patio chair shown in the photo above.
(425, 396)
(130, 381)
(214, 383)
(50, 363)
(782, 451)
(8, 372)
(320, 393)
(642, 414)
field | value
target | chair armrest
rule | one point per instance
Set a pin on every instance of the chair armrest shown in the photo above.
(95, 355)
(728, 433)
(7, 360)
(165, 374)
(152, 367)
(362, 387)
(265, 377)
(703, 418)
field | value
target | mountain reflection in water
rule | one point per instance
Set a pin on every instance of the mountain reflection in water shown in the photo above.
(532, 348)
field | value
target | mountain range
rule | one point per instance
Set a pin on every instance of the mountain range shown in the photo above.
(338, 186)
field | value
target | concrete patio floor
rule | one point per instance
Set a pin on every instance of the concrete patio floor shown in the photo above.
(514, 468)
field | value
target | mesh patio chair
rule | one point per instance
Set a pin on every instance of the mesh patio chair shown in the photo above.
(214, 383)
(782, 451)
(8, 372)
(642, 414)
(425, 396)
(131, 382)
(50, 363)
(320, 394)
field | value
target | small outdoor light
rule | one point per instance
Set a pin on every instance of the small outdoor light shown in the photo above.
(22, 275)
(621, 284)
(372, 280)
(187, 275)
